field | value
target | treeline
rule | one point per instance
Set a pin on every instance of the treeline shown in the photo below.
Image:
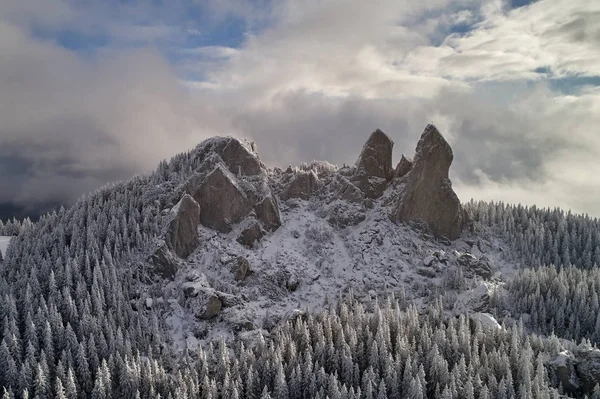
(542, 236)
(560, 301)
(13, 226)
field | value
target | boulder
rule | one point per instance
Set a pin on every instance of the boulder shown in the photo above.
(251, 234)
(403, 167)
(473, 266)
(165, 263)
(182, 233)
(207, 305)
(487, 321)
(241, 158)
(241, 268)
(303, 186)
(428, 194)
(341, 214)
(267, 211)
(222, 201)
(475, 300)
(375, 159)
(426, 272)
(349, 192)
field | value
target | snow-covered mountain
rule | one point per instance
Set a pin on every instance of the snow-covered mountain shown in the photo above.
(362, 281)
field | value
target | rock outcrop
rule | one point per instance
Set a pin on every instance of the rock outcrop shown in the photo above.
(267, 211)
(303, 186)
(578, 371)
(222, 201)
(403, 167)
(182, 237)
(375, 159)
(251, 234)
(428, 194)
(164, 262)
(241, 268)
(349, 192)
(239, 156)
(374, 165)
(230, 184)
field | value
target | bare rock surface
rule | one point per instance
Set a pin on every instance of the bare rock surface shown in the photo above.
(240, 156)
(251, 234)
(404, 166)
(374, 165)
(267, 211)
(578, 371)
(222, 201)
(303, 186)
(241, 268)
(182, 232)
(428, 195)
(164, 262)
(375, 159)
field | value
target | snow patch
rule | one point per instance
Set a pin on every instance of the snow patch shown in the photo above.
(4, 241)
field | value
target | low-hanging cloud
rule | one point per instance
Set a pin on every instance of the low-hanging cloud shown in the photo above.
(312, 84)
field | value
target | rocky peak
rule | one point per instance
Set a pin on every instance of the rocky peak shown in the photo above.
(239, 156)
(375, 159)
(403, 167)
(374, 165)
(428, 194)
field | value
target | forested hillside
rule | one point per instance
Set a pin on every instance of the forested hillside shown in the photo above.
(72, 325)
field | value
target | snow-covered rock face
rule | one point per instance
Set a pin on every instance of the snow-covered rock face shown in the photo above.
(303, 186)
(239, 156)
(428, 193)
(315, 232)
(230, 183)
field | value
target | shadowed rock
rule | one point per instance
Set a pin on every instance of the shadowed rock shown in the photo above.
(267, 211)
(375, 159)
(302, 186)
(403, 167)
(374, 165)
(241, 268)
(349, 192)
(222, 201)
(165, 263)
(182, 237)
(578, 372)
(251, 235)
(428, 194)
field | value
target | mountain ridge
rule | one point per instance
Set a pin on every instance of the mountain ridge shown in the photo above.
(84, 310)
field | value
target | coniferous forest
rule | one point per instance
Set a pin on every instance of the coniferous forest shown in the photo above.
(68, 329)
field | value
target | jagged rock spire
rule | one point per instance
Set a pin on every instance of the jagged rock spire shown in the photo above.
(428, 194)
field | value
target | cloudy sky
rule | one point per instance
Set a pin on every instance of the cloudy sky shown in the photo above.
(92, 92)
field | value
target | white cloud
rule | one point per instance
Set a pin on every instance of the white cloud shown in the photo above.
(311, 80)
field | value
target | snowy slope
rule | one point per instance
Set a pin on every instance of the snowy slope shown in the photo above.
(372, 258)
(4, 240)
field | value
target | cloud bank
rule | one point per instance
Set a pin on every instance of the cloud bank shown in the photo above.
(515, 90)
